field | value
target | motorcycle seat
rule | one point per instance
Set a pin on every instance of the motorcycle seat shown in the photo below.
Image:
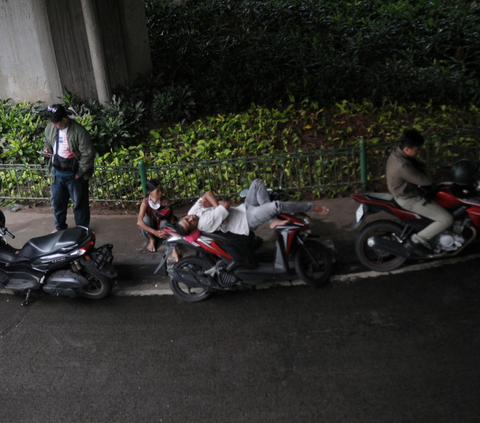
(384, 196)
(57, 242)
(10, 255)
(229, 237)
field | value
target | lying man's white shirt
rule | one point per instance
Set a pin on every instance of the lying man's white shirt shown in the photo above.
(212, 219)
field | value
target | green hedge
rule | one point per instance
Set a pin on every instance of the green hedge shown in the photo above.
(256, 132)
(230, 53)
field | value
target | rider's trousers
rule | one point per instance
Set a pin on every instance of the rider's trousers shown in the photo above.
(442, 219)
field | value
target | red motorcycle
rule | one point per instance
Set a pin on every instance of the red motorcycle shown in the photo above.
(380, 244)
(224, 260)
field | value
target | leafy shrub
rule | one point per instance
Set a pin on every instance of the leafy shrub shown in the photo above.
(22, 126)
(257, 132)
(21, 131)
(117, 124)
(173, 104)
(263, 131)
(235, 52)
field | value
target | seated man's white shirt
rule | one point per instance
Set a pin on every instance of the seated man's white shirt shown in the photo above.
(211, 219)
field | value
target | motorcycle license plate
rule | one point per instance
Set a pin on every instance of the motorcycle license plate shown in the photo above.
(102, 256)
(360, 212)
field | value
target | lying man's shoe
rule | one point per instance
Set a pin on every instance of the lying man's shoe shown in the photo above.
(417, 249)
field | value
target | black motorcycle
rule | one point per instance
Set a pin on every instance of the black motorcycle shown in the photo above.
(64, 263)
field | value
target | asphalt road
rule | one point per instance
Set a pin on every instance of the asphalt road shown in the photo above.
(401, 348)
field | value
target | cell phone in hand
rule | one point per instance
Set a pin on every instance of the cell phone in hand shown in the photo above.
(45, 153)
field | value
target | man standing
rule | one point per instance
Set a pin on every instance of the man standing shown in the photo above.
(70, 167)
(405, 177)
(209, 214)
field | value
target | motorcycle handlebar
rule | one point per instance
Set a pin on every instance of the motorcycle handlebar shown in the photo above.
(5, 231)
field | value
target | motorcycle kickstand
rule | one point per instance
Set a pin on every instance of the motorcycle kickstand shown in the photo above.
(406, 232)
(27, 300)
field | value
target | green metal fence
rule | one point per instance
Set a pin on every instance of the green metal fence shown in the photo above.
(31, 182)
(319, 171)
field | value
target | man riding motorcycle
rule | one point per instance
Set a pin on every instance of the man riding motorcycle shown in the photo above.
(409, 182)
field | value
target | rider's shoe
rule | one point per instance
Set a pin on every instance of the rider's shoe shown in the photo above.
(416, 248)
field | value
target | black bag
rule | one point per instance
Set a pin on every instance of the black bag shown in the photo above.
(62, 164)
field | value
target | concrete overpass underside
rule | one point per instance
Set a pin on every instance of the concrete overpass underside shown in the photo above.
(88, 47)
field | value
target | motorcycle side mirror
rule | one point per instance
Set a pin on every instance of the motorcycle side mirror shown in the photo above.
(243, 193)
(445, 166)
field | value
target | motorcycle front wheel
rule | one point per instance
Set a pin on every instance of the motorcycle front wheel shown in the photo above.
(185, 292)
(313, 263)
(373, 258)
(98, 287)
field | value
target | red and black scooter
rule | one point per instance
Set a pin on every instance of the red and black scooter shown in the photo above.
(380, 244)
(64, 263)
(223, 260)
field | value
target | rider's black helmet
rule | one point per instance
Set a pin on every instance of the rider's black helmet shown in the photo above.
(463, 172)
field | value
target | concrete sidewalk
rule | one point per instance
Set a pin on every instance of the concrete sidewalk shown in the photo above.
(135, 264)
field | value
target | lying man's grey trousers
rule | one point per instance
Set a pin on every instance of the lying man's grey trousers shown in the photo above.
(260, 209)
(441, 217)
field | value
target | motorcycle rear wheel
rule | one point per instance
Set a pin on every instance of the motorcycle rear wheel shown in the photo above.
(98, 287)
(313, 263)
(373, 258)
(183, 291)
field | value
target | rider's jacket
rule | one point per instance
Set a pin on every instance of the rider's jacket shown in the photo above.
(405, 174)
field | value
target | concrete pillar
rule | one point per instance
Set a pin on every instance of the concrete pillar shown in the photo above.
(28, 66)
(97, 55)
(88, 47)
(72, 51)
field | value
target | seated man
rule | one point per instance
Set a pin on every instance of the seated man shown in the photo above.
(405, 176)
(209, 214)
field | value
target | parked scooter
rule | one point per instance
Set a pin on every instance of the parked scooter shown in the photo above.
(380, 244)
(63, 263)
(224, 260)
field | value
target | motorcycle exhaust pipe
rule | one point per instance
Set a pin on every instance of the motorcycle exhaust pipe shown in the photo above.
(190, 279)
(388, 246)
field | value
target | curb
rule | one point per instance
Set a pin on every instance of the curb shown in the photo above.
(159, 288)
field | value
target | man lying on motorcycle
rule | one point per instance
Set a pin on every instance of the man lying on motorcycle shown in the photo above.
(209, 214)
(408, 181)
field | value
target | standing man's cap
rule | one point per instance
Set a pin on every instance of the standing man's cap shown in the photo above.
(56, 112)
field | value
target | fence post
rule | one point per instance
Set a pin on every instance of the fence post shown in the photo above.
(363, 163)
(143, 176)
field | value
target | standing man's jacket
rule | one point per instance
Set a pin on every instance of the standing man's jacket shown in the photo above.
(405, 174)
(80, 145)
